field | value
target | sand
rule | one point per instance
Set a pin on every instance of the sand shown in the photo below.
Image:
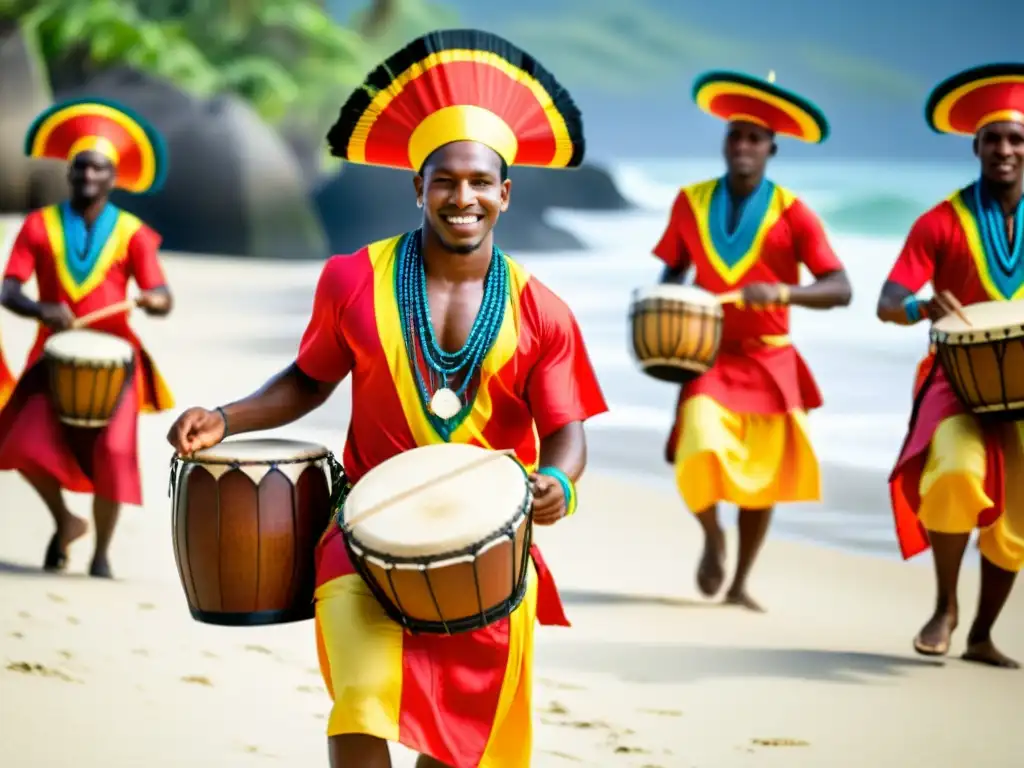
(118, 674)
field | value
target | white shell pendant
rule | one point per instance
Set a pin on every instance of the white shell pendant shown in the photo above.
(445, 404)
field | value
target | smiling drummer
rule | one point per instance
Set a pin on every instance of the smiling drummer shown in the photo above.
(83, 253)
(953, 473)
(740, 434)
(447, 340)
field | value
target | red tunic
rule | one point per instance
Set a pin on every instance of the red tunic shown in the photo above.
(943, 248)
(536, 379)
(750, 375)
(32, 439)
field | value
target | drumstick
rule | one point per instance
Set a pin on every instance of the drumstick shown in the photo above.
(475, 464)
(99, 314)
(957, 307)
(732, 297)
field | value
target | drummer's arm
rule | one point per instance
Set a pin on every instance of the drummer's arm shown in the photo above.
(671, 249)
(13, 298)
(566, 449)
(914, 268)
(20, 268)
(285, 398)
(831, 286)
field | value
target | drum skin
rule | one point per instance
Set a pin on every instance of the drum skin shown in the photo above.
(674, 341)
(461, 589)
(245, 548)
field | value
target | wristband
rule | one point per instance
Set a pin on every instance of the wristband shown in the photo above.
(224, 416)
(568, 487)
(912, 309)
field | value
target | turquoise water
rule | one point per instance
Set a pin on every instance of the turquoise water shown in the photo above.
(870, 198)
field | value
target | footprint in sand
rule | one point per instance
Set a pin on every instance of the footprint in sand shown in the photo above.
(622, 749)
(147, 607)
(197, 680)
(781, 742)
(24, 615)
(546, 683)
(140, 652)
(259, 649)
(309, 689)
(73, 621)
(210, 655)
(555, 708)
(66, 655)
(18, 635)
(55, 598)
(562, 755)
(32, 668)
(662, 712)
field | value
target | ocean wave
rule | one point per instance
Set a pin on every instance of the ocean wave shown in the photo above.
(873, 199)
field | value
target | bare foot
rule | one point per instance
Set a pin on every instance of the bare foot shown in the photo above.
(71, 529)
(711, 571)
(743, 600)
(74, 528)
(985, 652)
(100, 568)
(934, 637)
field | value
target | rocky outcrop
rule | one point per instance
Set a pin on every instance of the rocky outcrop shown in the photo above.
(24, 93)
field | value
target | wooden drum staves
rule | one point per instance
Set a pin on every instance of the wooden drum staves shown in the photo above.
(88, 374)
(982, 354)
(676, 331)
(247, 516)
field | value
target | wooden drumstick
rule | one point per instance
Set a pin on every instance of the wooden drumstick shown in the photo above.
(99, 314)
(408, 492)
(732, 297)
(957, 307)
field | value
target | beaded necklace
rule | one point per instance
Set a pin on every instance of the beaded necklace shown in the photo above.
(446, 407)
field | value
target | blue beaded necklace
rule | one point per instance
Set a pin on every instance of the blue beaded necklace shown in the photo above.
(444, 367)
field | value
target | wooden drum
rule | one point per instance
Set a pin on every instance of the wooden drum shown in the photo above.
(247, 515)
(450, 552)
(677, 330)
(984, 360)
(88, 373)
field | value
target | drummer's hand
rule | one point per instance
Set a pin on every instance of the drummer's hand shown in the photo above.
(548, 500)
(761, 295)
(195, 429)
(153, 302)
(56, 317)
(940, 304)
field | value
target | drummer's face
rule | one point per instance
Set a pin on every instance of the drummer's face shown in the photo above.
(91, 176)
(1000, 148)
(747, 149)
(463, 187)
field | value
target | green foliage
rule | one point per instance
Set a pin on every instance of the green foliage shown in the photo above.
(286, 57)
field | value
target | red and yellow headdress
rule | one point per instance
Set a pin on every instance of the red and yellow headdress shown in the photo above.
(967, 102)
(130, 142)
(736, 97)
(459, 85)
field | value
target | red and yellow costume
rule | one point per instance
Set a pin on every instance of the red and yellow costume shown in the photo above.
(741, 432)
(464, 699)
(87, 271)
(953, 472)
(7, 380)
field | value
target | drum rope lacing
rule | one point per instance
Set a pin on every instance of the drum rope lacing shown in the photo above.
(337, 474)
(420, 339)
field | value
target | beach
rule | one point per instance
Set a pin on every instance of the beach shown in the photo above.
(118, 674)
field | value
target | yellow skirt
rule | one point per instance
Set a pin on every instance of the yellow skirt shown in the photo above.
(953, 493)
(754, 461)
(464, 700)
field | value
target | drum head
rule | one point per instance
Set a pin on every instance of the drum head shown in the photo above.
(447, 516)
(988, 319)
(689, 294)
(89, 345)
(260, 451)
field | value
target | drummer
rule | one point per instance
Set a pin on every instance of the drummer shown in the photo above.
(82, 253)
(521, 381)
(952, 474)
(740, 434)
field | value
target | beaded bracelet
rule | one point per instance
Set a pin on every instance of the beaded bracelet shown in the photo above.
(224, 416)
(568, 487)
(912, 309)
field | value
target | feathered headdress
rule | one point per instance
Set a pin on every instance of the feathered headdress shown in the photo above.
(733, 96)
(967, 102)
(130, 142)
(459, 85)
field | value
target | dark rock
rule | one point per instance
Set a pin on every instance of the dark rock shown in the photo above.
(233, 186)
(24, 93)
(588, 188)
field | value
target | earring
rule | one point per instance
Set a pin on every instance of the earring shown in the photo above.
(419, 203)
